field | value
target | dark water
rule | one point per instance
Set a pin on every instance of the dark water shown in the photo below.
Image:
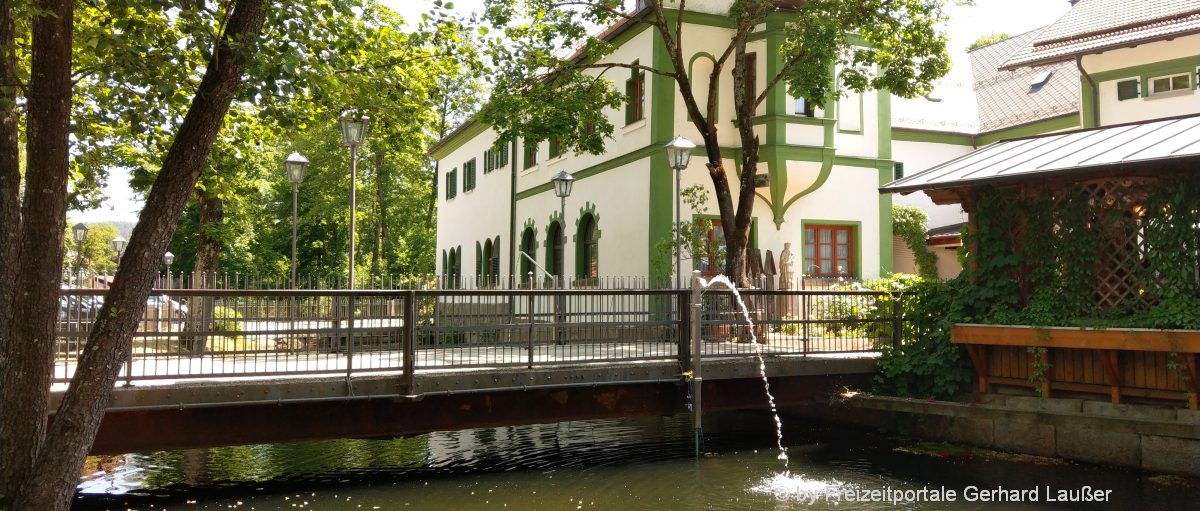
(635, 464)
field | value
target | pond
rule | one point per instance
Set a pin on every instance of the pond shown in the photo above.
(631, 464)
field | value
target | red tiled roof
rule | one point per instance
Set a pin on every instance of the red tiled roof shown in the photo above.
(1096, 25)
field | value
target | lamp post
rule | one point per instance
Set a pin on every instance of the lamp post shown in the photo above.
(679, 151)
(118, 244)
(562, 188)
(296, 166)
(353, 132)
(168, 258)
(80, 236)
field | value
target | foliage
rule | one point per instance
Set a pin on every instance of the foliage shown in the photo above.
(1039, 256)
(694, 242)
(98, 254)
(926, 364)
(911, 224)
(988, 39)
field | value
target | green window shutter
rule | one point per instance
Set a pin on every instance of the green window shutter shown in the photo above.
(629, 101)
(1127, 89)
(478, 259)
(898, 170)
(496, 257)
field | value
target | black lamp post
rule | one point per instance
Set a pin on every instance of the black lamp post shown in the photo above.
(296, 166)
(679, 151)
(354, 131)
(562, 188)
(80, 232)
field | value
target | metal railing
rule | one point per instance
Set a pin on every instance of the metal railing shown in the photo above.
(214, 333)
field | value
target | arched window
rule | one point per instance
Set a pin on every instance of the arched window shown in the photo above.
(554, 249)
(485, 273)
(494, 260)
(528, 245)
(452, 269)
(587, 249)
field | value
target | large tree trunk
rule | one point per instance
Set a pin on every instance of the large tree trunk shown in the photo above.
(737, 238)
(204, 271)
(29, 349)
(52, 482)
(10, 207)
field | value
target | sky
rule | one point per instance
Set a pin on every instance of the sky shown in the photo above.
(967, 23)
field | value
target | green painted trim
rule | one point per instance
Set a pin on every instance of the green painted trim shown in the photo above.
(1087, 111)
(858, 260)
(886, 254)
(854, 161)
(662, 126)
(512, 212)
(1180, 65)
(455, 140)
(707, 19)
(624, 159)
(933, 137)
(692, 78)
(883, 123)
(791, 119)
(827, 160)
(1061, 122)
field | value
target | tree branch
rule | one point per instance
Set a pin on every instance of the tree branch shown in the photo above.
(779, 77)
(610, 65)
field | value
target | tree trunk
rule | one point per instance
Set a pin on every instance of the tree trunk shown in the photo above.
(204, 272)
(52, 483)
(29, 349)
(10, 207)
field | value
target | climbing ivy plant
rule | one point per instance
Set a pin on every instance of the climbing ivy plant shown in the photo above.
(910, 224)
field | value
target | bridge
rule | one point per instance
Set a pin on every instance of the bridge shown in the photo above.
(225, 367)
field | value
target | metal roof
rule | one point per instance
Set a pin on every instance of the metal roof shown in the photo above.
(1062, 153)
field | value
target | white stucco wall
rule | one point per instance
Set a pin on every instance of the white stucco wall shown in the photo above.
(475, 215)
(918, 157)
(1114, 111)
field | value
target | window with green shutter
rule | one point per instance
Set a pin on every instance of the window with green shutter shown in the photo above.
(898, 170)
(503, 156)
(1127, 89)
(635, 96)
(452, 183)
(531, 154)
(469, 175)
(489, 163)
(556, 148)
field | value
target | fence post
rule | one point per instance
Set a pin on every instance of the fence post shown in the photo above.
(410, 343)
(684, 327)
(897, 322)
(529, 348)
(349, 339)
(697, 359)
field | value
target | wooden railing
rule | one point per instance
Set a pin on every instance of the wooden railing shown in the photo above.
(1154, 364)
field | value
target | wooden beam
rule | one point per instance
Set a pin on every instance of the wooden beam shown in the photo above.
(1127, 339)
(1192, 383)
(1112, 370)
(978, 356)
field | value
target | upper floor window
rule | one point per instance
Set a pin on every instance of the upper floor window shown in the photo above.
(828, 250)
(469, 175)
(556, 147)
(751, 74)
(805, 107)
(1172, 83)
(452, 183)
(531, 154)
(489, 160)
(635, 96)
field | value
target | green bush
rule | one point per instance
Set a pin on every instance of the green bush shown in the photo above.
(926, 364)
(226, 319)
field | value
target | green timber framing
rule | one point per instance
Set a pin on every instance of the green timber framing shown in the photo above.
(775, 152)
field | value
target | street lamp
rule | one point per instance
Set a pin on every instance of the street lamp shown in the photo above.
(296, 166)
(168, 258)
(679, 151)
(80, 235)
(353, 132)
(562, 188)
(118, 244)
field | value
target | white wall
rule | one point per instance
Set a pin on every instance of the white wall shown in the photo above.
(918, 157)
(477, 215)
(1113, 111)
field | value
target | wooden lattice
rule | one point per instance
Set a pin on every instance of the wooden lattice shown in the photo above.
(1120, 271)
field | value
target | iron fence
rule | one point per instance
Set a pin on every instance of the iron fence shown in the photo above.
(212, 333)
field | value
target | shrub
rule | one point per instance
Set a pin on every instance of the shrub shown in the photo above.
(926, 364)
